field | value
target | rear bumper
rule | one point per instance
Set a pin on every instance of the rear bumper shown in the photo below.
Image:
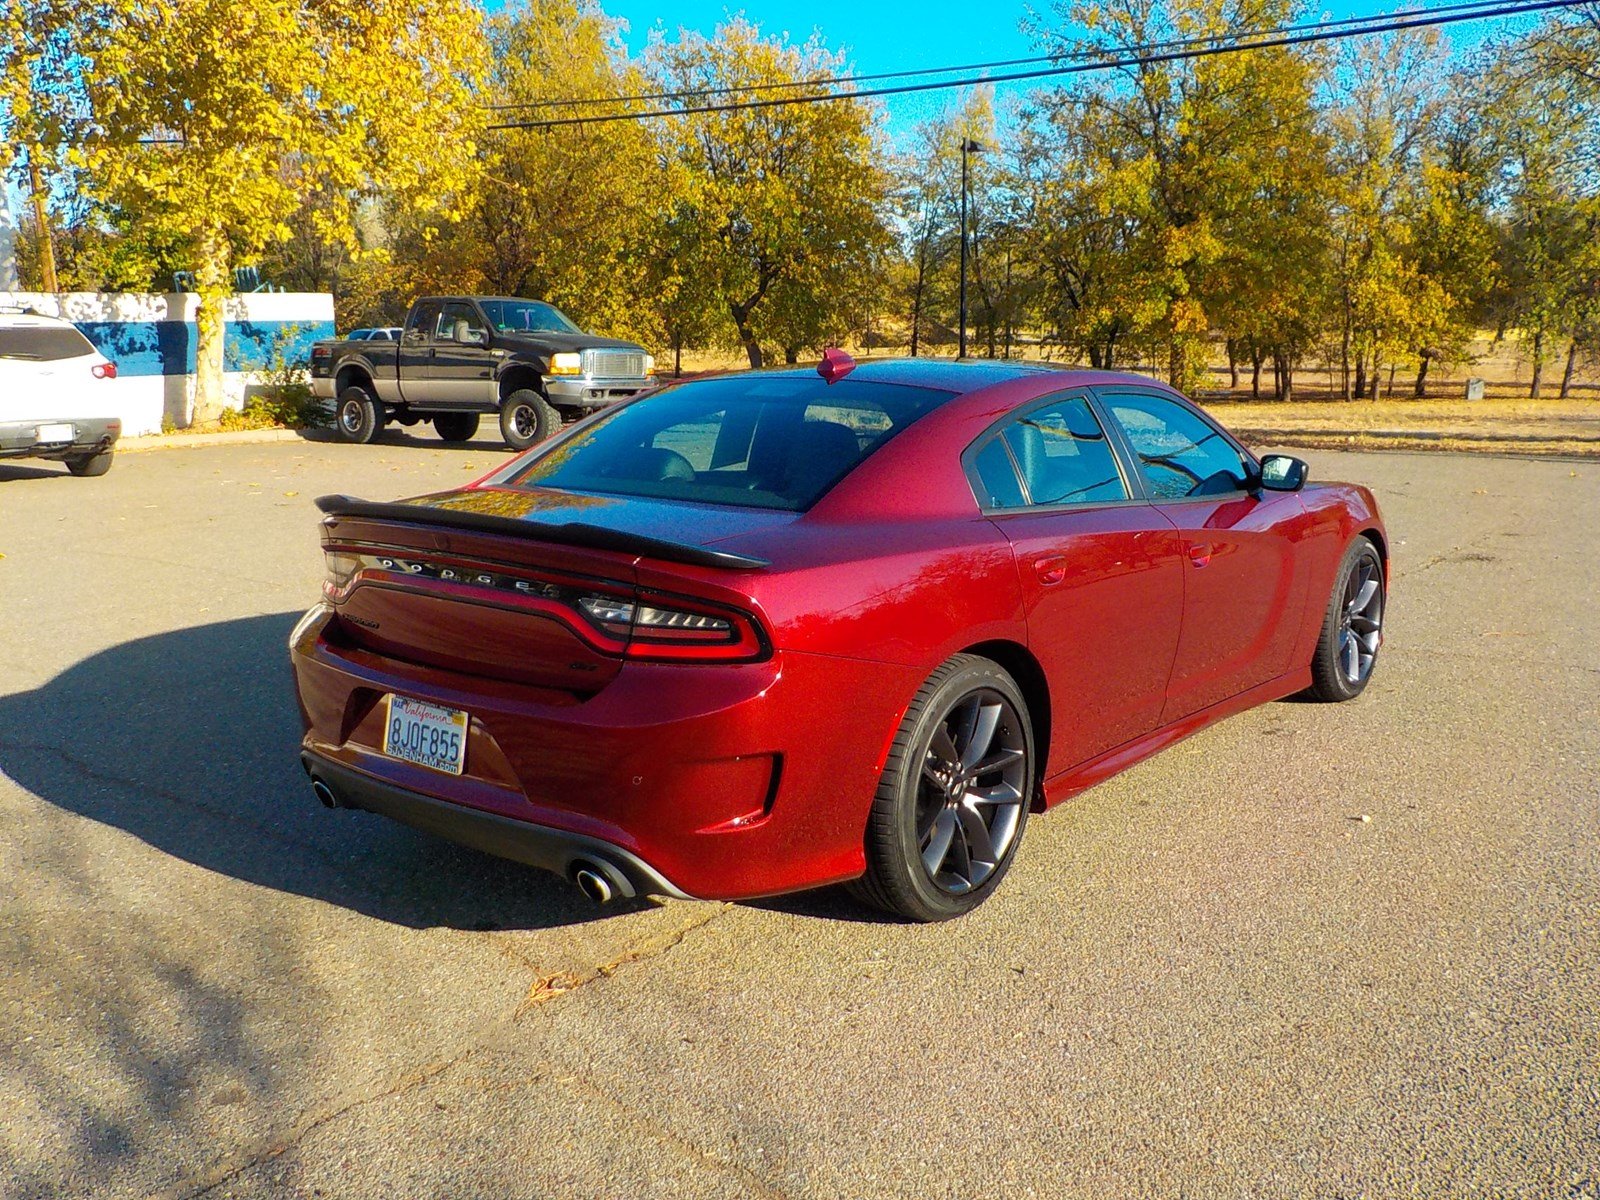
(719, 781)
(19, 439)
(539, 846)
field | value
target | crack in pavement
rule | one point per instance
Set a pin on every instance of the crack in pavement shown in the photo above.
(268, 1148)
(547, 987)
(273, 1146)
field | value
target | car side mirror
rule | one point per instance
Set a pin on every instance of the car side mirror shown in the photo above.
(1283, 473)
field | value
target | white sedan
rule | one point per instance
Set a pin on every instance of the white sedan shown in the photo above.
(53, 394)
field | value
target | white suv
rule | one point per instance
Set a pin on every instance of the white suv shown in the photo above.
(53, 394)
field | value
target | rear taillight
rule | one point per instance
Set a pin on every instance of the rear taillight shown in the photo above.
(105, 370)
(320, 352)
(656, 627)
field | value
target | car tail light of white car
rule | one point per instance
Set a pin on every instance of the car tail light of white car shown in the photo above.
(105, 370)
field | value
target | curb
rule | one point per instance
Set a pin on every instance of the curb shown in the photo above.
(231, 437)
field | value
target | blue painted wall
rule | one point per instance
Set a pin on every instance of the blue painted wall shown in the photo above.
(168, 347)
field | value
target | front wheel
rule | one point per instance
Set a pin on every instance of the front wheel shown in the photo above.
(360, 417)
(1352, 629)
(526, 418)
(953, 799)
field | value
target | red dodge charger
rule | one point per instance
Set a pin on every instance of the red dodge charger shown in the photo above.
(768, 631)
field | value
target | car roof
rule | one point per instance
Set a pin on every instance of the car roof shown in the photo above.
(27, 318)
(971, 375)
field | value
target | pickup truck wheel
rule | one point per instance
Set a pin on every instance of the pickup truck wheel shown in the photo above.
(525, 418)
(90, 465)
(360, 417)
(456, 427)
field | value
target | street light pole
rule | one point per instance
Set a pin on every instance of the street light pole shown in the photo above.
(968, 146)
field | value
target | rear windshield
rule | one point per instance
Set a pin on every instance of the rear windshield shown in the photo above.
(42, 343)
(756, 441)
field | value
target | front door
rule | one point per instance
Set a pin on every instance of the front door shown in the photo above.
(1242, 597)
(1101, 572)
(461, 371)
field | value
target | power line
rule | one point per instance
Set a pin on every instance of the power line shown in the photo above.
(1272, 39)
(1074, 56)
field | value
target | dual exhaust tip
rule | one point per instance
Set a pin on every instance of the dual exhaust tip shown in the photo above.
(592, 878)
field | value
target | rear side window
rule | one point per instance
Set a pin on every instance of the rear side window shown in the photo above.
(753, 441)
(1060, 454)
(42, 343)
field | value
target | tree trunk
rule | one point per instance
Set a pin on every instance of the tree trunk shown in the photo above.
(1538, 365)
(747, 337)
(1288, 380)
(1566, 375)
(1421, 390)
(791, 355)
(1361, 379)
(1177, 362)
(212, 282)
(916, 316)
(1095, 359)
(677, 357)
(1377, 379)
(1256, 359)
(1233, 365)
(41, 217)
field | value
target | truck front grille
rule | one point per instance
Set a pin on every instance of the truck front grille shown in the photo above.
(613, 364)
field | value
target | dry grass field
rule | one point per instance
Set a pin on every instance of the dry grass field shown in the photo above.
(1506, 420)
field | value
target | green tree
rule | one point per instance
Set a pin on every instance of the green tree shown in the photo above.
(1177, 149)
(792, 197)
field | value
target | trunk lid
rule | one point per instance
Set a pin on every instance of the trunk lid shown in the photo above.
(511, 584)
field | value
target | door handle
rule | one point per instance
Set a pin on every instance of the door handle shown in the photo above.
(1051, 569)
(1199, 554)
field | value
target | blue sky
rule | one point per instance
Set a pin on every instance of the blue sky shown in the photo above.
(917, 33)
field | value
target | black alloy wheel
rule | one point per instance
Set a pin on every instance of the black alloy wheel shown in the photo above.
(1352, 630)
(954, 797)
(359, 418)
(525, 418)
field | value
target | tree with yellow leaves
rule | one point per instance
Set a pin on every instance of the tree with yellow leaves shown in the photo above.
(211, 120)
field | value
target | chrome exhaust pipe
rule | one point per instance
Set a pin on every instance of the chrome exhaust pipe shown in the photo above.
(593, 884)
(324, 793)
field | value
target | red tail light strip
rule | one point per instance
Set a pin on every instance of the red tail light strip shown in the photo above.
(725, 635)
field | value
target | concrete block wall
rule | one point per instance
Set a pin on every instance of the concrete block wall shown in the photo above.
(152, 337)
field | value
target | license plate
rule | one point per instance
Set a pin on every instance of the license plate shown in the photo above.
(425, 734)
(54, 433)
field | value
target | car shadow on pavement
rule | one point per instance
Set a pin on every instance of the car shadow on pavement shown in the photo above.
(189, 741)
(10, 471)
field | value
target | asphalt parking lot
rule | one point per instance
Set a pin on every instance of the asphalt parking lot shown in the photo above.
(1322, 951)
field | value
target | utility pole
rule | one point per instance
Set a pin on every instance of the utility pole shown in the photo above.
(968, 146)
(41, 218)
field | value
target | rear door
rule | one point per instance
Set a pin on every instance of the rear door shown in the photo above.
(415, 354)
(1241, 603)
(1101, 572)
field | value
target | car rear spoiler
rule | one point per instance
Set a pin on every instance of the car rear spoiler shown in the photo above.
(569, 534)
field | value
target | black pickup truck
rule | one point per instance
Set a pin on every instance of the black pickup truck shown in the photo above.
(462, 356)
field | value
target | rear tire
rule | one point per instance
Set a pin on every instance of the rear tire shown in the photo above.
(1352, 629)
(526, 419)
(456, 427)
(359, 418)
(953, 800)
(90, 466)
